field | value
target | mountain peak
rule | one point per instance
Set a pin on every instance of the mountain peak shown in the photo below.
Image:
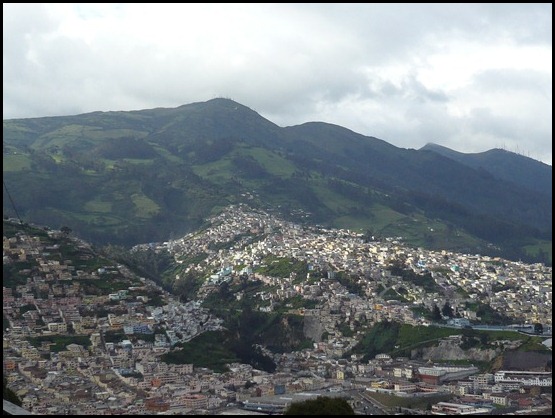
(139, 176)
(503, 164)
(224, 101)
(218, 103)
(431, 145)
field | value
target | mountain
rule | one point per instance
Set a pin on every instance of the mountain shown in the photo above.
(504, 165)
(148, 175)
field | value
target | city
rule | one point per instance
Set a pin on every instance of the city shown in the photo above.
(111, 362)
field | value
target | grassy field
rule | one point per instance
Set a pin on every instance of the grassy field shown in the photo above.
(69, 133)
(58, 158)
(410, 336)
(533, 344)
(145, 207)
(63, 136)
(397, 339)
(61, 341)
(221, 170)
(282, 267)
(143, 161)
(383, 220)
(272, 162)
(331, 199)
(167, 155)
(353, 223)
(385, 216)
(98, 206)
(104, 134)
(103, 220)
(106, 286)
(16, 162)
(218, 171)
(206, 350)
(543, 246)
(419, 231)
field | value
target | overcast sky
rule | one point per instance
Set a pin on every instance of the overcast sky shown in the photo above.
(467, 76)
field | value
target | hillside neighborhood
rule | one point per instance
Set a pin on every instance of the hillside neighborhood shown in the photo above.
(85, 337)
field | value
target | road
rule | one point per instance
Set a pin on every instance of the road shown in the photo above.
(367, 405)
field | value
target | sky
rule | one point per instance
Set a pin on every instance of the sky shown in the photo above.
(470, 77)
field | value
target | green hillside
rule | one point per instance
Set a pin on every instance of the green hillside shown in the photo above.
(142, 176)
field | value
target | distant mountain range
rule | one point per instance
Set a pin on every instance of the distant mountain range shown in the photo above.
(148, 175)
(504, 165)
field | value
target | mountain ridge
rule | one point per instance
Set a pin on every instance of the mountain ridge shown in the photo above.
(503, 164)
(143, 175)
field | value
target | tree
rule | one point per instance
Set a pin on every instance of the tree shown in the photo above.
(447, 310)
(436, 313)
(369, 235)
(249, 384)
(538, 328)
(66, 230)
(8, 394)
(186, 287)
(323, 405)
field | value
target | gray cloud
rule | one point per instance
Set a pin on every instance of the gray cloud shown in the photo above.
(470, 77)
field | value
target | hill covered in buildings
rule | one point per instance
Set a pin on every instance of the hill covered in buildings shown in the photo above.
(253, 304)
